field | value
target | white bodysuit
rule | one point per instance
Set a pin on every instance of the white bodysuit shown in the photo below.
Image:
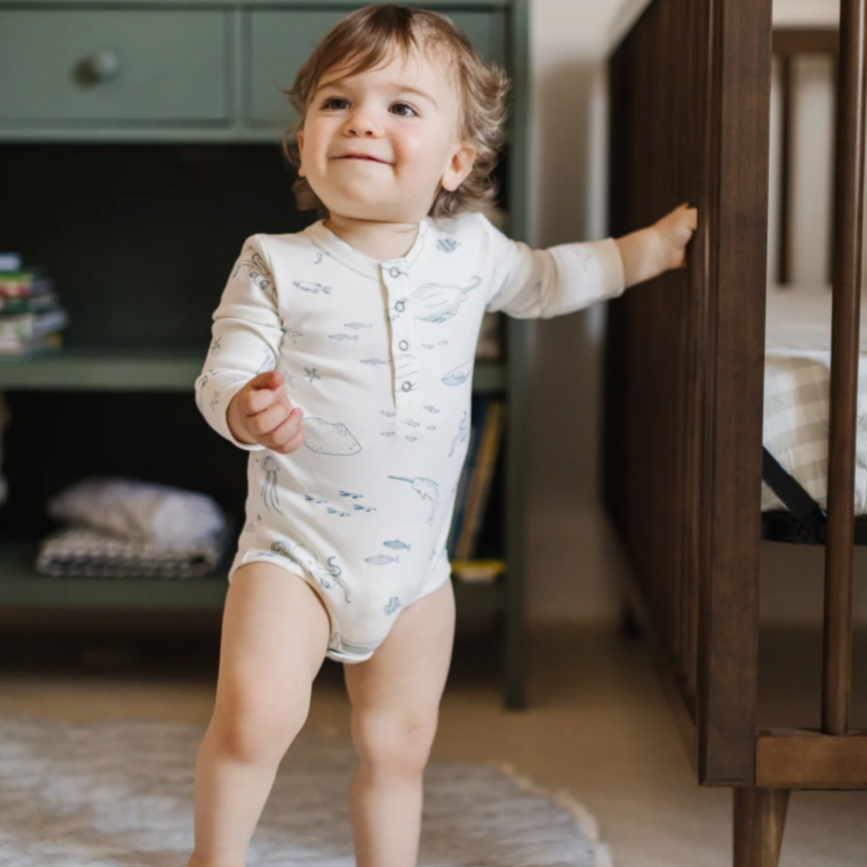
(379, 355)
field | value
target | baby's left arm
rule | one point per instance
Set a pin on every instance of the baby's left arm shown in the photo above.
(649, 252)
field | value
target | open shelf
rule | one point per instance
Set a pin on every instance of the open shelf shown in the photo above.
(22, 586)
(140, 370)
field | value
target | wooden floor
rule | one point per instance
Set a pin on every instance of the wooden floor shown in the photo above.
(597, 725)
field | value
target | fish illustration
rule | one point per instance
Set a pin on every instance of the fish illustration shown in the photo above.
(439, 303)
(373, 361)
(337, 512)
(327, 438)
(312, 287)
(381, 560)
(307, 559)
(348, 494)
(447, 245)
(430, 408)
(386, 412)
(387, 433)
(343, 336)
(460, 374)
(411, 439)
(427, 489)
(396, 544)
(358, 325)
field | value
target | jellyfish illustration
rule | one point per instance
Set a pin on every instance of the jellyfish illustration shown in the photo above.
(269, 486)
(427, 489)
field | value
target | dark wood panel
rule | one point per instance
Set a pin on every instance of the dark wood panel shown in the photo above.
(808, 759)
(690, 113)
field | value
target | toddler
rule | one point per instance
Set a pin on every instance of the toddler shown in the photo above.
(342, 360)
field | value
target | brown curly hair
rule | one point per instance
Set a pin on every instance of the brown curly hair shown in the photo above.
(360, 41)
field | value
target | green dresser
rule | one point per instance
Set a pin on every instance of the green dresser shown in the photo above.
(139, 145)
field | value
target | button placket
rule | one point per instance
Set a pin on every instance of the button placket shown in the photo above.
(406, 367)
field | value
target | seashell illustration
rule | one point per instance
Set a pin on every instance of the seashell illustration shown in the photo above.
(459, 375)
(439, 303)
(327, 438)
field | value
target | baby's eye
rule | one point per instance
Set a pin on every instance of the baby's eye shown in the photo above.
(330, 102)
(398, 106)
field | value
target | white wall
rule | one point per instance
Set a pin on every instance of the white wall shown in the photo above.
(574, 560)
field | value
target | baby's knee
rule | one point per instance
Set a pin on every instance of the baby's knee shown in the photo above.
(258, 725)
(394, 743)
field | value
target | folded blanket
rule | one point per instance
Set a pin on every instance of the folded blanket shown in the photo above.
(85, 551)
(149, 512)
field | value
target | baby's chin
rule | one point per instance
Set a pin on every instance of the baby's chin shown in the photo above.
(369, 208)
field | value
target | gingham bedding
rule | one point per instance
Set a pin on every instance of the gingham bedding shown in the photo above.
(797, 377)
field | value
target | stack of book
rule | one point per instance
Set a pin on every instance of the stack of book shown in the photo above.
(31, 317)
(473, 492)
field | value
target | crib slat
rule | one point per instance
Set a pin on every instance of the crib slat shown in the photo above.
(849, 197)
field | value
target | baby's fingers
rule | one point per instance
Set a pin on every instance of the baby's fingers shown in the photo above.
(289, 436)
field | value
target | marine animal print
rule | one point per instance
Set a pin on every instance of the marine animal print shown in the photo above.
(460, 374)
(440, 303)
(374, 361)
(462, 434)
(269, 360)
(427, 489)
(329, 438)
(304, 557)
(342, 336)
(392, 605)
(381, 560)
(258, 272)
(293, 334)
(447, 245)
(269, 486)
(315, 288)
(396, 544)
(312, 373)
(358, 325)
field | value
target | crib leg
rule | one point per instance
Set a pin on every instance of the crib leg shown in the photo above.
(759, 820)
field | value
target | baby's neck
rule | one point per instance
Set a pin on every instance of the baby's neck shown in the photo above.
(376, 239)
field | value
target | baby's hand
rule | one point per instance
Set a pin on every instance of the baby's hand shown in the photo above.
(675, 231)
(261, 412)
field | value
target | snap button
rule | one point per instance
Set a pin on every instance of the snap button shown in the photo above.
(403, 344)
(399, 306)
(394, 271)
(406, 386)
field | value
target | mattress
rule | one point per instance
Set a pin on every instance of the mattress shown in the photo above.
(797, 380)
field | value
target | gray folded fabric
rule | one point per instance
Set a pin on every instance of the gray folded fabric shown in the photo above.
(150, 512)
(86, 551)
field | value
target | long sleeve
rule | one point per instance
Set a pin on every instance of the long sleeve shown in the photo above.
(532, 284)
(246, 337)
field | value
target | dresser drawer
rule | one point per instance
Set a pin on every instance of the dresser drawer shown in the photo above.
(114, 66)
(281, 40)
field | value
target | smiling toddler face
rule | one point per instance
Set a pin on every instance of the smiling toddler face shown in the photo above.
(378, 144)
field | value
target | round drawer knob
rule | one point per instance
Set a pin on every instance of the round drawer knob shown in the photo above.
(103, 65)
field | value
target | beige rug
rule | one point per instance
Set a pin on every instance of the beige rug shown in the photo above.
(120, 794)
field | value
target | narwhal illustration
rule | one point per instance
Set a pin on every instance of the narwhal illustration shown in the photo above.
(427, 489)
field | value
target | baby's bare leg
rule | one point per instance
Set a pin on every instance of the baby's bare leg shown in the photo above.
(395, 706)
(274, 638)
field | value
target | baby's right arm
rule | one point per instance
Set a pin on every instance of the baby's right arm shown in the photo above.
(239, 392)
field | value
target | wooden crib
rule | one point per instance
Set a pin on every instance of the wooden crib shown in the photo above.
(690, 87)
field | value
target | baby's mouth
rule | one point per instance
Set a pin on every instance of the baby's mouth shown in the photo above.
(362, 157)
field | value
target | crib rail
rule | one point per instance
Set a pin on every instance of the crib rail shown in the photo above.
(690, 118)
(845, 320)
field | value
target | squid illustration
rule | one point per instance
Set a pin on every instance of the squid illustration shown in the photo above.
(259, 274)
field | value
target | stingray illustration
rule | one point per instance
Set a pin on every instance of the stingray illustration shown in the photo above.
(259, 273)
(462, 434)
(329, 438)
(460, 374)
(303, 556)
(436, 303)
(427, 489)
(269, 486)
(312, 287)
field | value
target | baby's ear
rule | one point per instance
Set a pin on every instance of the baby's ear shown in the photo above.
(460, 165)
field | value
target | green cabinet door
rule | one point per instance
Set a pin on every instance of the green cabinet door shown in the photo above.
(114, 66)
(280, 41)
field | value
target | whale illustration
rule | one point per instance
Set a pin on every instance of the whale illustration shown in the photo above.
(438, 303)
(329, 438)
